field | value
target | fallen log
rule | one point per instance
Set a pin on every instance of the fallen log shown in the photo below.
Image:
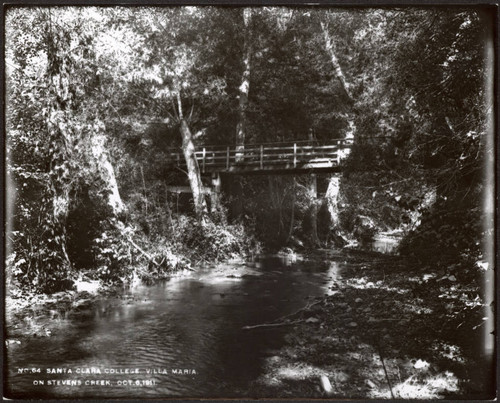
(305, 308)
(264, 325)
(286, 322)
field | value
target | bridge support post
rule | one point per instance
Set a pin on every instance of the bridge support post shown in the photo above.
(332, 199)
(313, 212)
(203, 161)
(215, 192)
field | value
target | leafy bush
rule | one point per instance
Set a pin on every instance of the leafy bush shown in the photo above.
(448, 237)
(452, 233)
(214, 242)
(112, 255)
(361, 228)
(34, 264)
(163, 263)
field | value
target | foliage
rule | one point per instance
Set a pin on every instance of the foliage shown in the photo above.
(212, 242)
(276, 209)
(450, 236)
(428, 133)
(451, 143)
(96, 94)
(55, 142)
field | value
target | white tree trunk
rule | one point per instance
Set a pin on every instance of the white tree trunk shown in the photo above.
(106, 171)
(244, 88)
(330, 48)
(332, 198)
(193, 171)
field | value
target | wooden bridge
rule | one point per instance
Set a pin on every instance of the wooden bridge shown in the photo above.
(287, 157)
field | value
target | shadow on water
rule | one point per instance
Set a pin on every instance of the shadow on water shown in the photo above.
(183, 336)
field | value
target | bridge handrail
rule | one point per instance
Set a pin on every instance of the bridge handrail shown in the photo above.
(290, 153)
(271, 149)
(224, 147)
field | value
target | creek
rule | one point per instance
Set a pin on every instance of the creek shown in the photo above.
(181, 337)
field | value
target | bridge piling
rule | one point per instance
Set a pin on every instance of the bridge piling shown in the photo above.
(313, 213)
(215, 192)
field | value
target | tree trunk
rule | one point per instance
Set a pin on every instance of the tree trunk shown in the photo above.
(330, 48)
(106, 171)
(236, 206)
(245, 86)
(277, 197)
(332, 196)
(170, 221)
(292, 216)
(313, 211)
(61, 144)
(193, 171)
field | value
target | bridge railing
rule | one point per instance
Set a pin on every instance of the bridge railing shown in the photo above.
(288, 155)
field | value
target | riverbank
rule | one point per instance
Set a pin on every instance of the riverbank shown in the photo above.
(29, 314)
(386, 332)
(191, 322)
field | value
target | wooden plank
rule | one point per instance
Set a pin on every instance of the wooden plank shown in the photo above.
(213, 152)
(304, 143)
(185, 189)
(273, 150)
(282, 168)
(213, 159)
(290, 147)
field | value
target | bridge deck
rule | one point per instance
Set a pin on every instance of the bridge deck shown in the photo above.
(270, 157)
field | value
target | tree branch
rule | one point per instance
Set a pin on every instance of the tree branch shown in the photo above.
(150, 258)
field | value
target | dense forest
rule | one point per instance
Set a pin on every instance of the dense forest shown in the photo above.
(97, 96)
(99, 99)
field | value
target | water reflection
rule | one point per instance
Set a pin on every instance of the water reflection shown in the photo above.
(335, 271)
(188, 324)
(385, 245)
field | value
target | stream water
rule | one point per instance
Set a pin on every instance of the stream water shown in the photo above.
(181, 337)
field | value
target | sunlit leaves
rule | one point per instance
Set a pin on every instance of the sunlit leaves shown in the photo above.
(416, 78)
